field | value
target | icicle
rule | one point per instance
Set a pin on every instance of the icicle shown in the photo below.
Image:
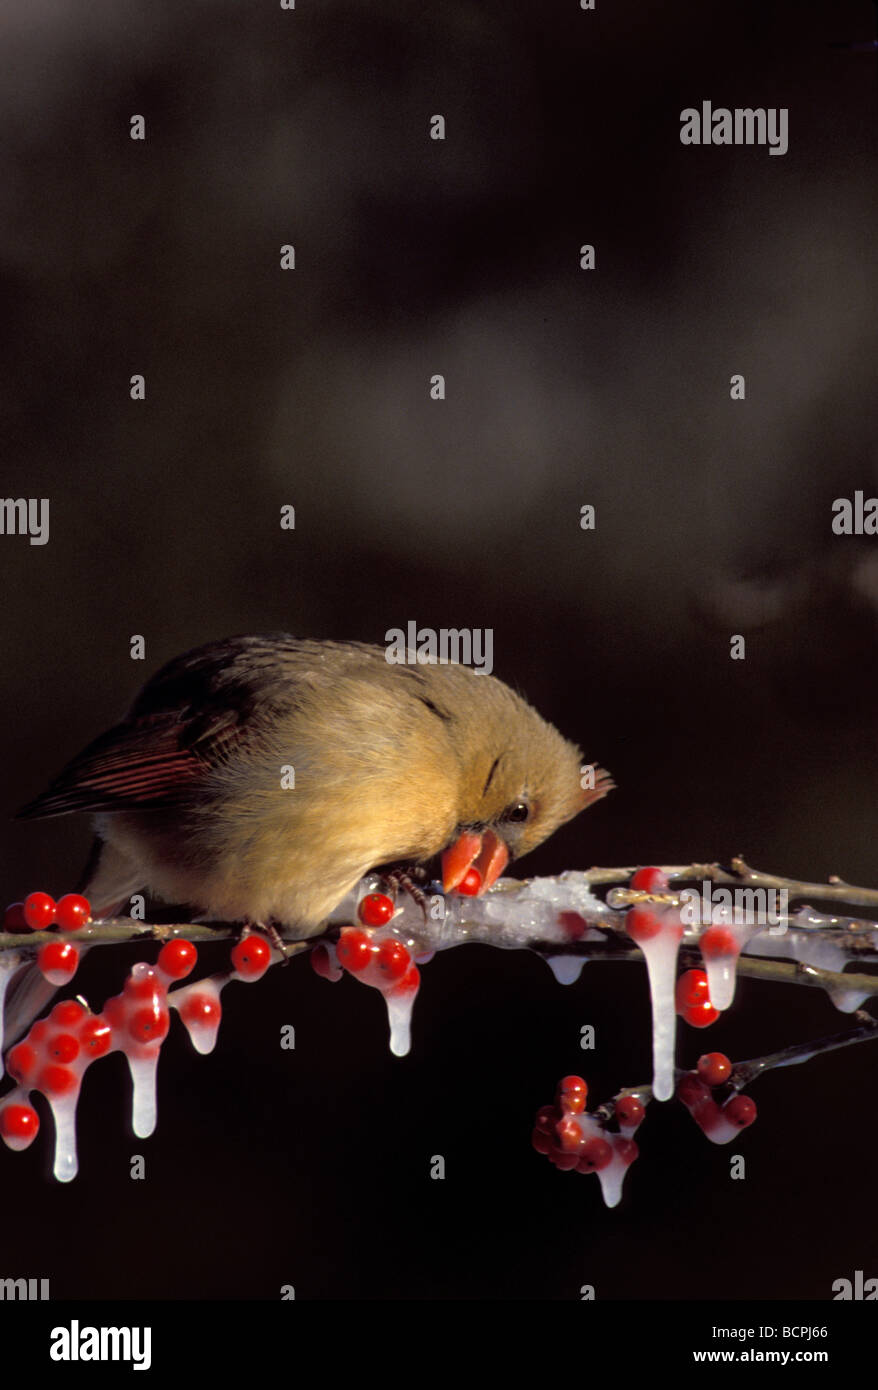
(378, 958)
(658, 935)
(566, 969)
(200, 1009)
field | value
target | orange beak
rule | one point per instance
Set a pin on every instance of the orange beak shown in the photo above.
(486, 853)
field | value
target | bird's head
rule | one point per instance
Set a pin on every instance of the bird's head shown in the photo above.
(516, 791)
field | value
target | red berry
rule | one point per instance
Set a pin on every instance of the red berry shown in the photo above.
(20, 1062)
(354, 949)
(693, 999)
(569, 1135)
(202, 1009)
(56, 1081)
(410, 981)
(629, 1111)
(627, 1150)
(641, 923)
(691, 1090)
(19, 1123)
(595, 1154)
(714, 1068)
(741, 1110)
(96, 1036)
(707, 1114)
(14, 918)
(392, 959)
(72, 912)
(566, 1162)
(177, 959)
(718, 941)
(574, 925)
(68, 1013)
(150, 1024)
(58, 961)
(471, 883)
(541, 1141)
(375, 909)
(321, 962)
(251, 957)
(573, 1086)
(39, 911)
(547, 1118)
(63, 1047)
(145, 986)
(650, 880)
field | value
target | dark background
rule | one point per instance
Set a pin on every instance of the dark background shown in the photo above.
(564, 387)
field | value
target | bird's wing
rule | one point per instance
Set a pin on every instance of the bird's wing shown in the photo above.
(192, 715)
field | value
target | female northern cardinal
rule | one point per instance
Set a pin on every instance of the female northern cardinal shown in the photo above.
(258, 779)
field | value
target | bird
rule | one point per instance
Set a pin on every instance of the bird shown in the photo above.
(258, 779)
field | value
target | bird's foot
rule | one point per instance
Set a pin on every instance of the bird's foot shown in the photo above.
(409, 877)
(270, 930)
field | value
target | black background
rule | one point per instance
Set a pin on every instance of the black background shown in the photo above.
(564, 387)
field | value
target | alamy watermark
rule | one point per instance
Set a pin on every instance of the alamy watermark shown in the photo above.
(25, 516)
(426, 646)
(744, 125)
(713, 906)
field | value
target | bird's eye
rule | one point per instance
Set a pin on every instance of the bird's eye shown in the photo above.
(520, 811)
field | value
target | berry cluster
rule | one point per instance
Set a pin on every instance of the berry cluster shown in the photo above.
(720, 1122)
(692, 998)
(575, 1141)
(54, 1055)
(39, 912)
(374, 955)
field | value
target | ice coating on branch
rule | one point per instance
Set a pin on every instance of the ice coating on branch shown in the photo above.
(9, 963)
(513, 914)
(811, 949)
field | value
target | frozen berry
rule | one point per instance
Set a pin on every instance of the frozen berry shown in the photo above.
(14, 919)
(67, 1014)
(19, 1125)
(375, 909)
(471, 883)
(354, 949)
(650, 880)
(629, 1112)
(202, 1010)
(642, 924)
(72, 912)
(691, 1090)
(627, 1150)
(39, 911)
(57, 961)
(718, 941)
(741, 1110)
(392, 959)
(56, 1081)
(251, 957)
(714, 1068)
(692, 997)
(96, 1036)
(20, 1062)
(595, 1154)
(177, 959)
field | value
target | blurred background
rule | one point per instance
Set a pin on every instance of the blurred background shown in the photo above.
(310, 388)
